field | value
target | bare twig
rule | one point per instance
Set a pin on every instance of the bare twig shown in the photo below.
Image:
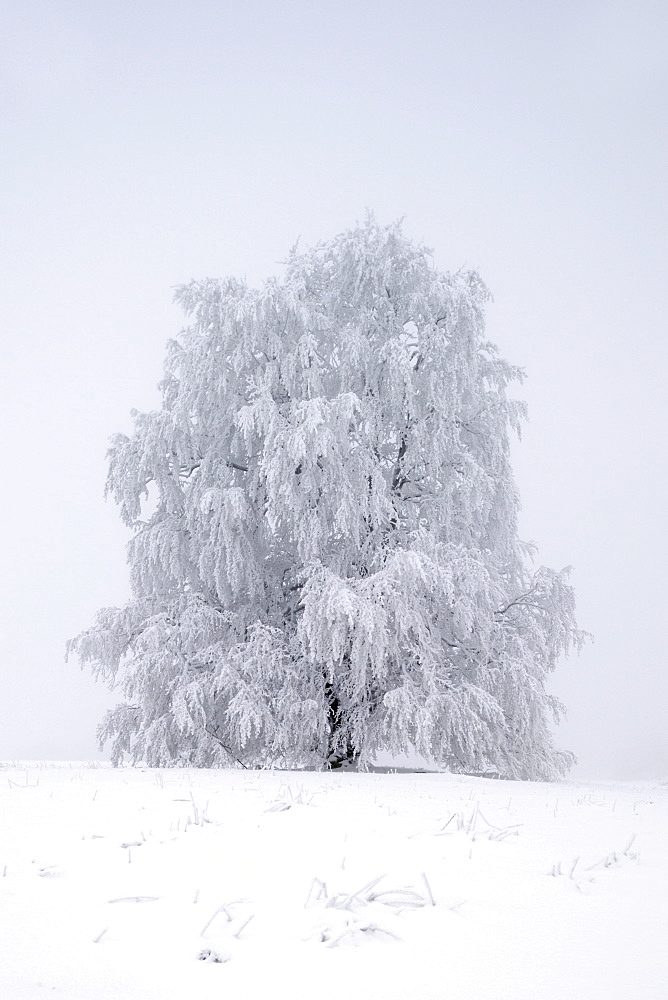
(225, 747)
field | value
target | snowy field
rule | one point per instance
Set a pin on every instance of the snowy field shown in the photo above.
(145, 884)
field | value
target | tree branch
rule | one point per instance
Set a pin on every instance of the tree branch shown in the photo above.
(225, 747)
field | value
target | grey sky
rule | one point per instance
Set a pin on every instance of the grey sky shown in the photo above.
(145, 143)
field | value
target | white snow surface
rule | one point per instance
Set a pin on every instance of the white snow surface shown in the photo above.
(143, 884)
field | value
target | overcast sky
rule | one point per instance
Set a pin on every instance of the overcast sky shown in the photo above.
(145, 143)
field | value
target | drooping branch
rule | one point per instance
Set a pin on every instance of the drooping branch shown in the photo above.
(225, 747)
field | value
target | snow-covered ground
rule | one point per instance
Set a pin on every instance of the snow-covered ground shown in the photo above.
(185, 884)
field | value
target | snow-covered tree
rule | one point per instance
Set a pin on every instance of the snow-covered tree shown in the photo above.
(331, 565)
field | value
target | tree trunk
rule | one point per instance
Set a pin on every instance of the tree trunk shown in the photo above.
(340, 749)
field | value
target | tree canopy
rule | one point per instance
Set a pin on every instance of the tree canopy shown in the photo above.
(325, 557)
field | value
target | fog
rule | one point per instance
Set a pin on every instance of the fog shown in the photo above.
(146, 144)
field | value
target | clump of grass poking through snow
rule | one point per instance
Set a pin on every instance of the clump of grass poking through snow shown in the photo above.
(289, 797)
(364, 912)
(233, 925)
(612, 860)
(474, 825)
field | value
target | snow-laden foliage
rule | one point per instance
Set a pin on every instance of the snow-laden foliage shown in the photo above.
(332, 565)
